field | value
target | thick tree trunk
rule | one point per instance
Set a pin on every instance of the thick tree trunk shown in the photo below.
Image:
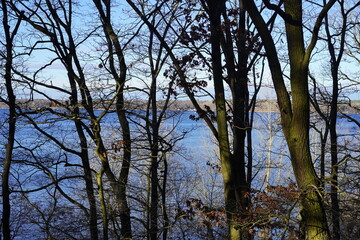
(237, 79)
(313, 216)
(232, 206)
(295, 113)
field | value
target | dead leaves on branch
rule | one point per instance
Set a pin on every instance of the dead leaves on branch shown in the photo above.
(272, 210)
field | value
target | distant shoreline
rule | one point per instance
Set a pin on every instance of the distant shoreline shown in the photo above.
(262, 105)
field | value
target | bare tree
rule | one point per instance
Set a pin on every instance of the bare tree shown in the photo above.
(7, 57)
(334, 35)
(295, 111)
(237, 176)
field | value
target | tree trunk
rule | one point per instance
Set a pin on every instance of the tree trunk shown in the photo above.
(335, 63)
(125, 219)
(6, 213)
(6, 208)
(115, 50)
(154, 197)
(89, 185)
(227, 168)
(295, 114)
(163, 198)
(153, 134)
(313, 218)
(334, 196)
(104, 215)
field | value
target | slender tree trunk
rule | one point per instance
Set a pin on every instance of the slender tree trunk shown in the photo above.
(154, 135)
(163, 198)
(126, 229)
(231, 205)
(115, 50)
(6, 213)
(154, 197)
(9, 37)
(335, 63)
(334, 196)
(269, 149)
(335, 209)
(89, 185)
(104, 215)
(84, 157)
(323, 140)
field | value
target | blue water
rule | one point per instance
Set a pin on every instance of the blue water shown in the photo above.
(198, 146)
(194, 153)
(189, 172)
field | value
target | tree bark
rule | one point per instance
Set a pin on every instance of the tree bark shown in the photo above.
(115, 50)
(237, 79)
(335, 63)
(89, 185)
(9, 37)
(231, 204)
(295, 114)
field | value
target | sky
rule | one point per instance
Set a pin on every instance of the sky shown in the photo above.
(58, 74)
